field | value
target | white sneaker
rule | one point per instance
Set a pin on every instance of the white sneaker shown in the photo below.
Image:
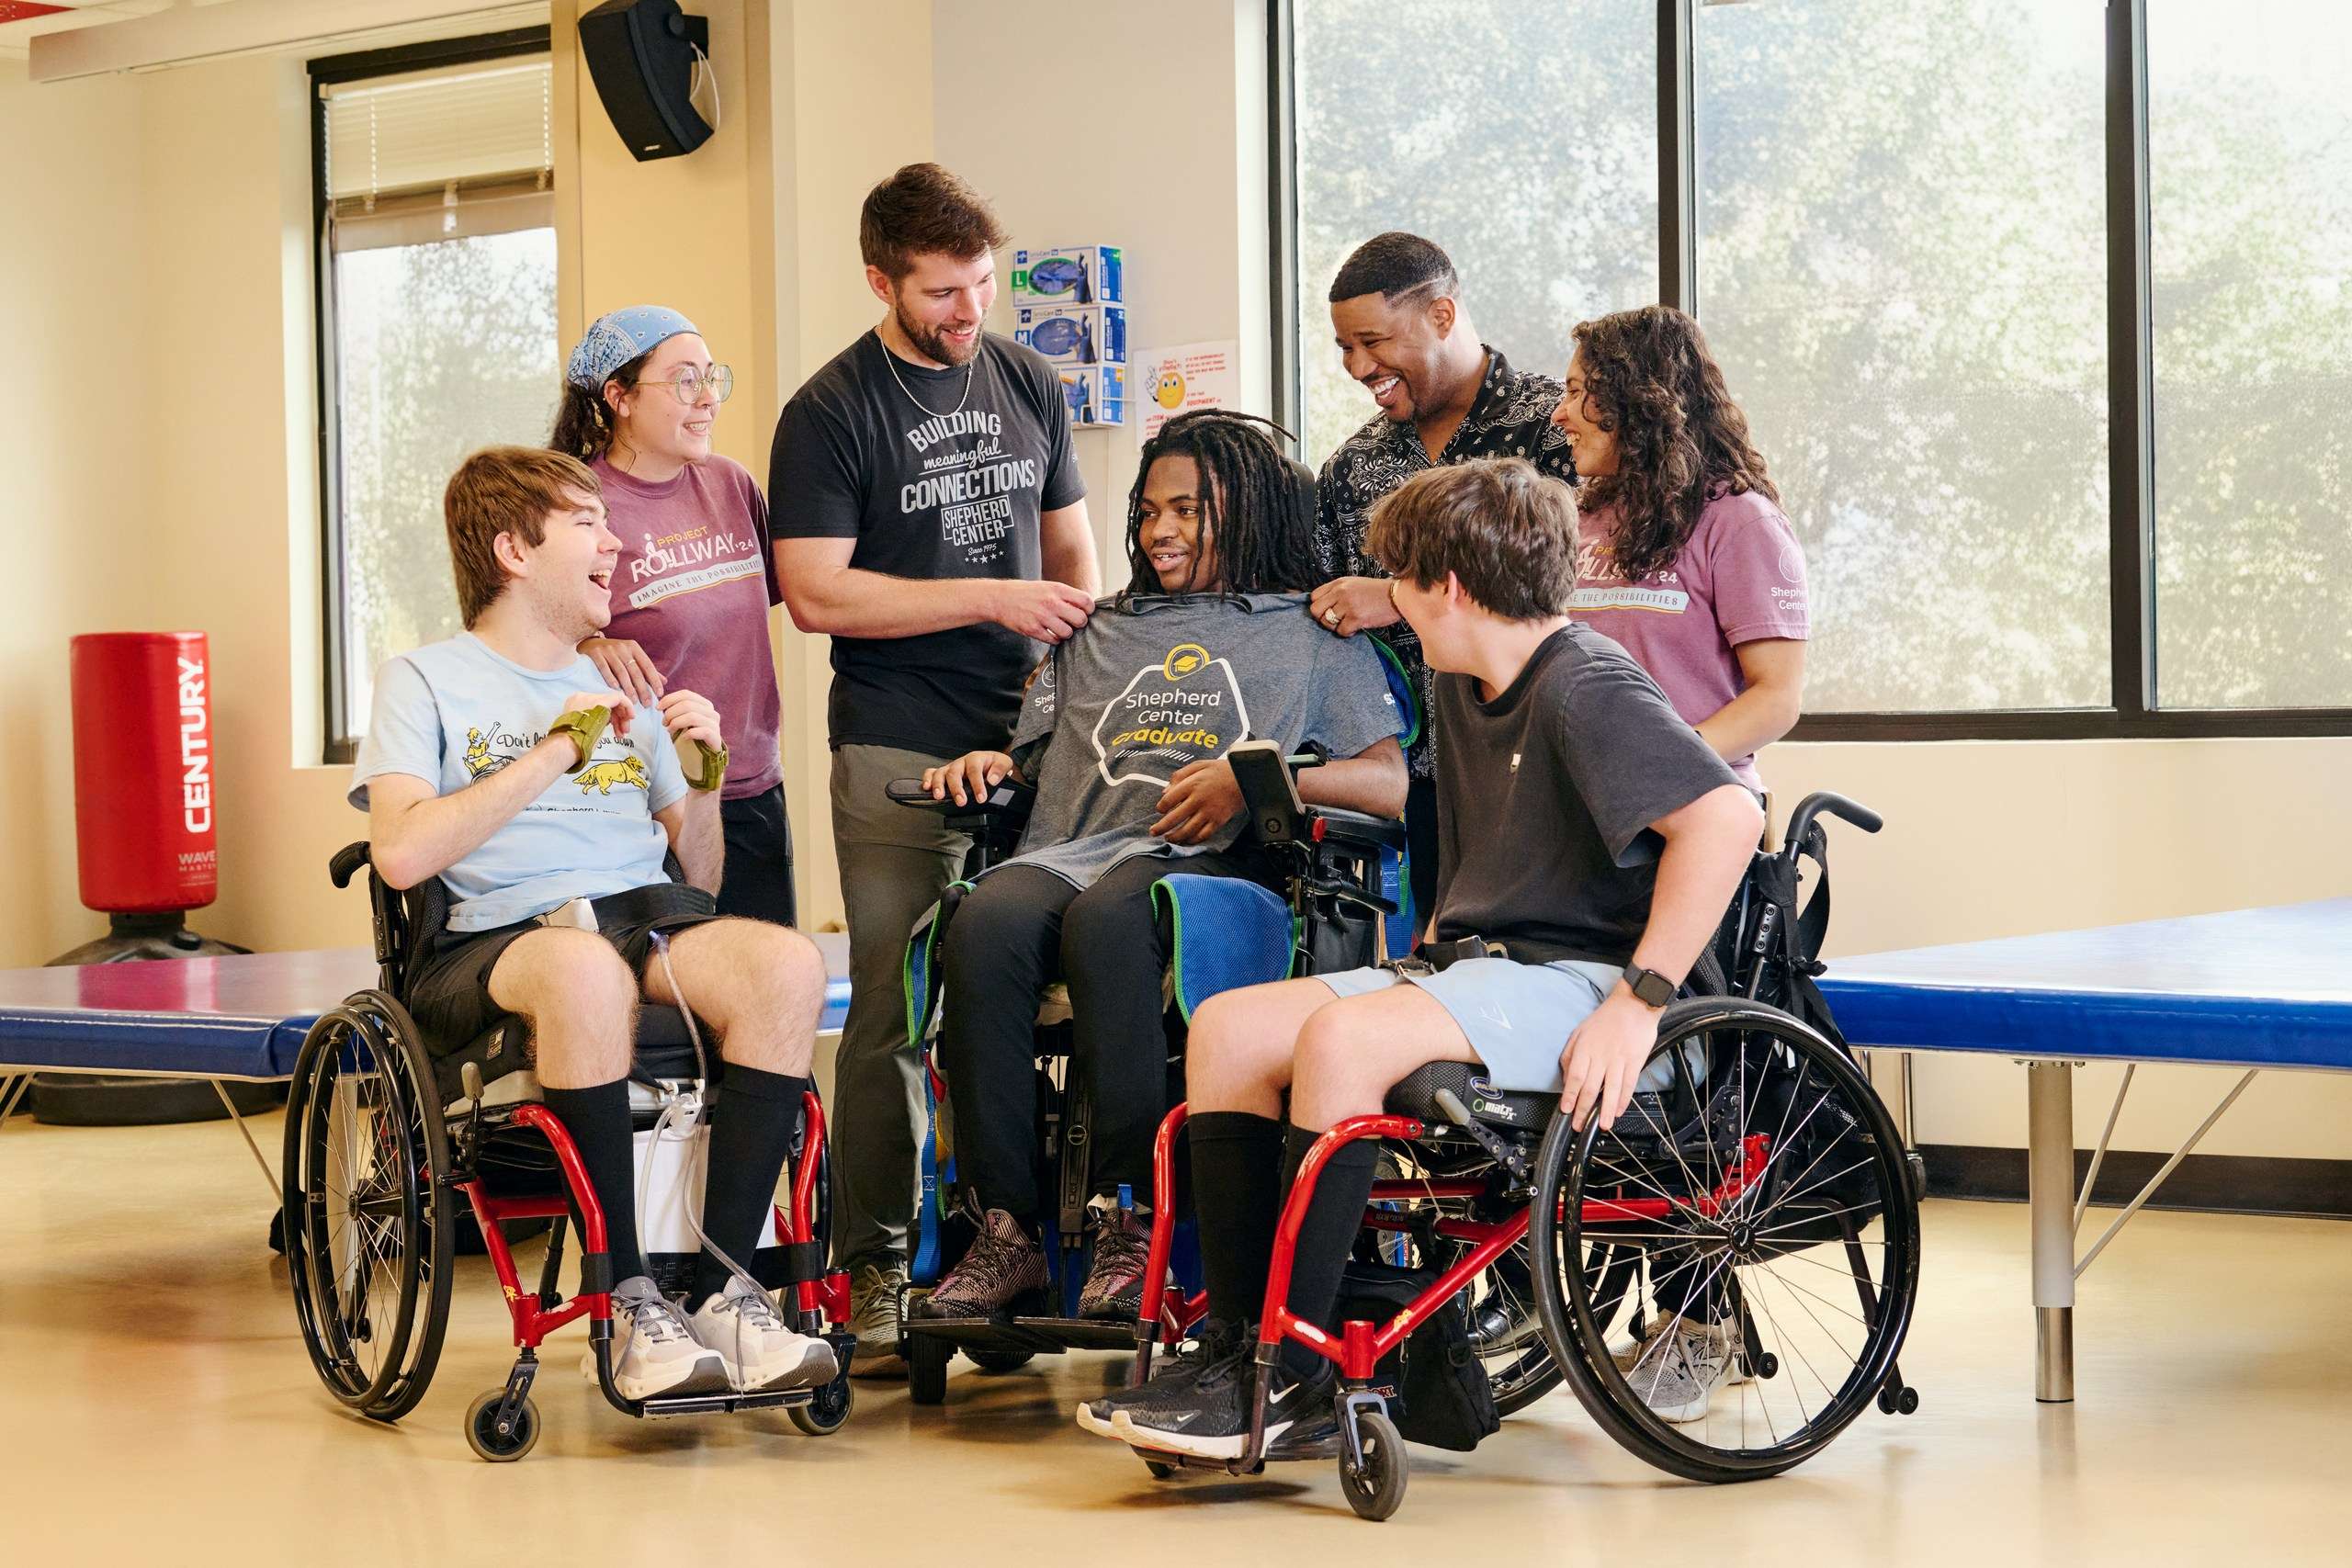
(742, 1327)
(1678, 1379)
(653, 1353)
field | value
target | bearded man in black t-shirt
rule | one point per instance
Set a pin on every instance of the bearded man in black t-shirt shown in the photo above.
(930, 517)
(1589, 834)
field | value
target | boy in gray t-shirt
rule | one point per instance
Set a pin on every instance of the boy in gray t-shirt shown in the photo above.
(498, 762)
(1586, 828)
(1125, 731)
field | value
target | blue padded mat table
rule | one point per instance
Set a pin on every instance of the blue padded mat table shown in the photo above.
(236, 1017)
(2255, 989)
(2248, 989)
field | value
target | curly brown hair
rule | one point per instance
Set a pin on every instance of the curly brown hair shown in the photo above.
(1682, 441)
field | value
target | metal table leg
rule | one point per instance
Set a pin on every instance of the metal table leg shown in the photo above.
(2050, 1115)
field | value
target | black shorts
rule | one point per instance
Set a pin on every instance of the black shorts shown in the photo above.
(448, 991)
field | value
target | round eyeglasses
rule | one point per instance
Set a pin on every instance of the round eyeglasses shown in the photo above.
(688, 384)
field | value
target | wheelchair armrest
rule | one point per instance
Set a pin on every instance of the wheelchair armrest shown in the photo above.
(1004, 811)
(347, 862)
(1354, 830)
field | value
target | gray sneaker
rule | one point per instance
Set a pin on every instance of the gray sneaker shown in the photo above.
(877, 1291)
(1677, 1376)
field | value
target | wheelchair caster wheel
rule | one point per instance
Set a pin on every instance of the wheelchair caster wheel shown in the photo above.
(1001, 1360)
(1159, 1471)
(927, 1357)
(1376, 1488)
(482, 1434)
(823, 1416)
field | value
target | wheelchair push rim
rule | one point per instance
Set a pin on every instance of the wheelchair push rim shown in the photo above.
(1774, 1199)
(368, 1228)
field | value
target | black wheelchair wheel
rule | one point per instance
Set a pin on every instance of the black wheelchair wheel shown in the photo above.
(482, 1434)
(823, 1416)
(927, 1359)
(368, 1225)
(1001, 1360)
(1772, 1218)
(1375, 1489)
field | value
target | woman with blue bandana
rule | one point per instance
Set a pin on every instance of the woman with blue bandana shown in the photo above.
(696, 578)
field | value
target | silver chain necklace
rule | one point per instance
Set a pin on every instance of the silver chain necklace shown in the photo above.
(891, 360)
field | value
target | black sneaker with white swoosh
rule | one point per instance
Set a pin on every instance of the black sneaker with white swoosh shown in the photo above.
(1211, 1418)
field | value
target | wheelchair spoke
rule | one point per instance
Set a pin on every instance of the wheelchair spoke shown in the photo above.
(1780, 1336)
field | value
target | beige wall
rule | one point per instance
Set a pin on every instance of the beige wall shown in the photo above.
(1990, 839)
(1162, 151)
(71, 510)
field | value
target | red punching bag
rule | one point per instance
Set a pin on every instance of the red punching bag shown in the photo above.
(142, 771)
(142, 815)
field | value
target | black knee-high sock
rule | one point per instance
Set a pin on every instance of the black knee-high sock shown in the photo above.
(597, 1118)
(1236, 1192)
(1328, 1234)
(749, 1136)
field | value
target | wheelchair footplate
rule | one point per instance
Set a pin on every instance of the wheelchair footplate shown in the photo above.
(1034, 1334)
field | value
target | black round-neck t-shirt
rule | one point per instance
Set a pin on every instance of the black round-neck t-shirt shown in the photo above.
(935, 474)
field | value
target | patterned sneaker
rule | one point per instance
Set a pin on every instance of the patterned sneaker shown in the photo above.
(1213, 1342)
(1004, 1265)
(1114, 1289)
(760, 1351)
(875, 1289)
(1677, 1376)
(653, 1352)
(1211, 1418)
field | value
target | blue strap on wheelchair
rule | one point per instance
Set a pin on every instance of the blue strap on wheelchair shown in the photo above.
(916, 972)
(1228, 933)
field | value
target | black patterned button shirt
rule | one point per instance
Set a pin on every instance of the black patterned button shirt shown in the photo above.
(1511, 417)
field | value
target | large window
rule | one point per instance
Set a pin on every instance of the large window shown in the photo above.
(1902, 267)
(437, 317)
(1520, 137)
(2250, 158)
(2041, 310)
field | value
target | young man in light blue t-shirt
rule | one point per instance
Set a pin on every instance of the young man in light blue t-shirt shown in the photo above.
(499, 761)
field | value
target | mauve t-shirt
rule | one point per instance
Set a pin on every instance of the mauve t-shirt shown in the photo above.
(1740, 579)
(693, 588)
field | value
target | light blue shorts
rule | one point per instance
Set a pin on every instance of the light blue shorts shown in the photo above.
(1517, 1016)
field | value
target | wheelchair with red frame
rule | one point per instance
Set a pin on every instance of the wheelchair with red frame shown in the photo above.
(1764, 1184)
(382, 1133)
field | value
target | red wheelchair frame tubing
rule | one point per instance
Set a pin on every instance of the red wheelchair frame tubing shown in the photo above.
(533, 1322)
(1358, 1345)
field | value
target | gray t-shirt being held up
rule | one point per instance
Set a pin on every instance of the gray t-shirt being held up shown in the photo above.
(1545, 797)
(1154, 684)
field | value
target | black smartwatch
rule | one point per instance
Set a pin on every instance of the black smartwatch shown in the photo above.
(1650, 987)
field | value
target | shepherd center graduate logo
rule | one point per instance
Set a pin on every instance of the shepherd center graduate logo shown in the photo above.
(1184, 709)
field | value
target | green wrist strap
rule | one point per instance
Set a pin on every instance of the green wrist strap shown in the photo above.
(584, 727)
(705, 767)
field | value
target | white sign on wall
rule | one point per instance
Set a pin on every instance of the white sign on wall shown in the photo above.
(1165, 382)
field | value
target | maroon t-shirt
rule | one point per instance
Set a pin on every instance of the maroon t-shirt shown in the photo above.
(1741, 578)
(693, 588)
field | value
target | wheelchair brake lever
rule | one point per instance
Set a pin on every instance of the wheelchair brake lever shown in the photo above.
(1351, 891)
(1504, 1151)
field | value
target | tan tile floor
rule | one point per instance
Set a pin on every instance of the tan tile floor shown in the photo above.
(156, 1406)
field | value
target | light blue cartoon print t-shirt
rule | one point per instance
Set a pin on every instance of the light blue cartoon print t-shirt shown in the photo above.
(454, 712)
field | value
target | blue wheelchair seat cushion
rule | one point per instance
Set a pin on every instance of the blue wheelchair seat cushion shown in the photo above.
(1228, 933)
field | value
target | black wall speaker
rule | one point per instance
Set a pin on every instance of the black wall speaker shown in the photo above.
(641, 54)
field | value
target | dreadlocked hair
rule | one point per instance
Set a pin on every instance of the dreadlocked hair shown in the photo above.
(584, 420)
(1681, 440)
(1257, 505)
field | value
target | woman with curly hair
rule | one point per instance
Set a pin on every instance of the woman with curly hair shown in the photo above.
(1684, 556)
